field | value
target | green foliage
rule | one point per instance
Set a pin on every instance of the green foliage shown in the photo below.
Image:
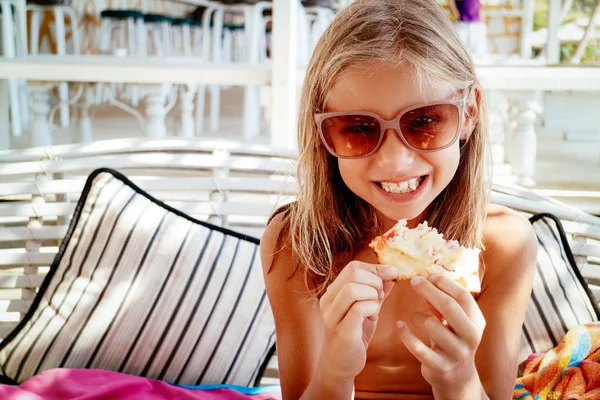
(580, 8)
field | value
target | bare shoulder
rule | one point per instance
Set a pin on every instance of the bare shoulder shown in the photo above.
(281, 270)
(272, 243)
(296, 312)
(510, 242)
(508, 230)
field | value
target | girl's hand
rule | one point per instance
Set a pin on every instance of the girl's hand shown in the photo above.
(449, 363)
(349, 309)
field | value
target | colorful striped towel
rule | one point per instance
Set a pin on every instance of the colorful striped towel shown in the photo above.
(569, 371)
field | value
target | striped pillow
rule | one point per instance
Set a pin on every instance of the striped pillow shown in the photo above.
(560, 299)
(141, 288)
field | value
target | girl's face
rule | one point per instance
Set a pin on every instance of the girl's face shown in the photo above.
(397, 181)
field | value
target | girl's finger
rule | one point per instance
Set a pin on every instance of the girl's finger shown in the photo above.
(358, 312)
(461, 295)
(450, 309)
(387, 288)
(447, 342)
(353, 272)
(350, 294)
(417, 348)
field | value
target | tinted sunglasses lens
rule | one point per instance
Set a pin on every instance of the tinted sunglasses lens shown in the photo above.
(351, 135)
(430, 127)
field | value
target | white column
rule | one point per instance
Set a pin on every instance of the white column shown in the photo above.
(40, 94)
(217, 52)
(9, 50)
(84, 126)
(527, 28)
(187, 93)
(61, 50)
(284, 78)
(4, 125)
(524, 141)
(155, 98)
(553, 44)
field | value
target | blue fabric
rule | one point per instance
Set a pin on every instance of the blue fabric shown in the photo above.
(240, 389)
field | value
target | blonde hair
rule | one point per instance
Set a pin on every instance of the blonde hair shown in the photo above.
(328, 223)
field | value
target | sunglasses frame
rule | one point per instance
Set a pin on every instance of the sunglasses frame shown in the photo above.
(394, 124)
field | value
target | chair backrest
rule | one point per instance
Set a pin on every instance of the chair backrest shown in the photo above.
(224, 183)
(228, 184)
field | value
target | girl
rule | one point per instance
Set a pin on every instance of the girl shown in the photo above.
(392, 126)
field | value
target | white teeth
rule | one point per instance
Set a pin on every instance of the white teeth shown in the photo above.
(402, 187)
(413, 183)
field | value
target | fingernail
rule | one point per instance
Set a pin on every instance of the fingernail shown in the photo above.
(381, 295)
(391, 271)
(416, 280)
(433, 278)
(400, 324)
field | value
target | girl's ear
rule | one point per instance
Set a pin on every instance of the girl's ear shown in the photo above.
(471, 113)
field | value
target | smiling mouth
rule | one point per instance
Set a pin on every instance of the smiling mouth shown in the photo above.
(407, 186)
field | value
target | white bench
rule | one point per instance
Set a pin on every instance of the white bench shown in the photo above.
(226, 183)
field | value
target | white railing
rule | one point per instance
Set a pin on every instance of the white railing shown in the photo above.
(521, 82)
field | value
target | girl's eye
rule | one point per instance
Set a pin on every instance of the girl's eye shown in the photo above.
(359, 129)
(420, 122)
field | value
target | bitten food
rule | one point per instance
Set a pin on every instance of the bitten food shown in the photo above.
(423, 251)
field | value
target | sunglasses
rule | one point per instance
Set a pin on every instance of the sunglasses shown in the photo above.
(422, 128)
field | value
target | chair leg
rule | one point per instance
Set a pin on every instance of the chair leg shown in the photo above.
(4, 106)
(84, 127)
(251, 127)
(200, 102)
(9, 51)
(187, 93)
(215, 107)
(34, 39)
(40, 134)
(61, 50)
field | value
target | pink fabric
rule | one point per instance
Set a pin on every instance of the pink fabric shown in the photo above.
(94, 384)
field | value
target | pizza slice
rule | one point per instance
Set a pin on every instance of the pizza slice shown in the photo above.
(423, 251)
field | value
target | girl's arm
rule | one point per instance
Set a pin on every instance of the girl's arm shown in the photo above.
(474, 356)
(510, 259)
(321, 344)
(298, 326)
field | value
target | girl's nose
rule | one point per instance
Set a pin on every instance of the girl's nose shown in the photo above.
(393, 153)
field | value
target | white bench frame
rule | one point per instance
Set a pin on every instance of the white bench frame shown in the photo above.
(226, 183)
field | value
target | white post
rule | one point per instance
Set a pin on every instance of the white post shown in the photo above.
(40, 135)
(218, 197)
(155, 98)
(9, 50)
(284, 78)
(61, 50)
(524, 146)
(553, 45)
(84, 127)
(200, 105)
(251, 113)
(527, 28)
(187, 93)
(217, 51)
(4, 125)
